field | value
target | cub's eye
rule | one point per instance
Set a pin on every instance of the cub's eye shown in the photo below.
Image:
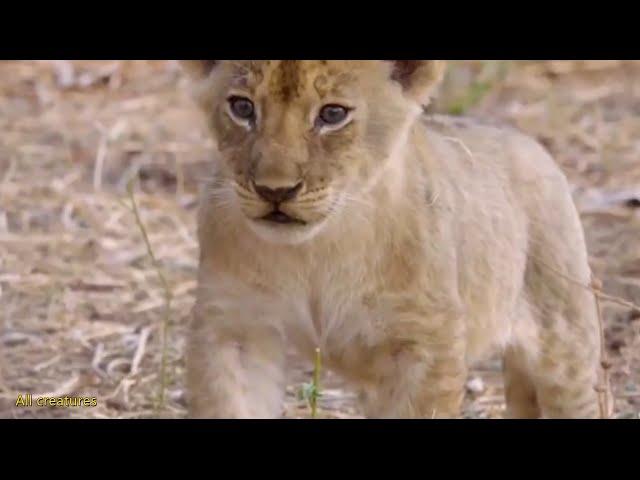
(242, 107)
(333, 114)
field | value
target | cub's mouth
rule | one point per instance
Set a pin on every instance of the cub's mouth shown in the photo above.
(279, 217)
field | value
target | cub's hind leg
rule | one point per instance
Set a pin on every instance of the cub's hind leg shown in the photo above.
(519, 387)
(565, 361)
(567, 370)
(554, 378)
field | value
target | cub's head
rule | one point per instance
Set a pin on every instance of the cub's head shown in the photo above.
(300, 141)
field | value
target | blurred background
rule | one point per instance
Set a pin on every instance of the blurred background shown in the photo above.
(81, 305)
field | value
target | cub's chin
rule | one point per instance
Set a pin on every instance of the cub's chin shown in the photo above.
(281, 229)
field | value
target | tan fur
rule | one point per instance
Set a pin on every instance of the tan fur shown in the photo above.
(427, 247)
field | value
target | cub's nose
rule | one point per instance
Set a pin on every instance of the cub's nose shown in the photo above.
(278, 195)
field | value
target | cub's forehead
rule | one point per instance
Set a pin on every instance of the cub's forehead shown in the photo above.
(289, 80)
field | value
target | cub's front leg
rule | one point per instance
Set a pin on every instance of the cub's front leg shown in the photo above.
(421, 370)
(235, 363)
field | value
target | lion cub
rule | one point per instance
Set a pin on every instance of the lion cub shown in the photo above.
(404, 246)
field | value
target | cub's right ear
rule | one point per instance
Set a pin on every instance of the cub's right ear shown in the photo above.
(199, 69)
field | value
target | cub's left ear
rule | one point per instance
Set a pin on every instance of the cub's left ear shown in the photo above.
(419, 78)
(199, 69)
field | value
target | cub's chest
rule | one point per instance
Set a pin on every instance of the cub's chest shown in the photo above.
(338, 321)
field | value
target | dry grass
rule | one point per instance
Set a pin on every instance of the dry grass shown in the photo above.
(81, 303)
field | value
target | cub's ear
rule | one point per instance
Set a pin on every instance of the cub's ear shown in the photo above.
(419, 78)
(199, 69)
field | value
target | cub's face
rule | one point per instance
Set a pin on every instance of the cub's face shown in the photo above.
(300, 141)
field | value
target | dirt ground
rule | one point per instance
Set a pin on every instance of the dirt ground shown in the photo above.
(81, 305)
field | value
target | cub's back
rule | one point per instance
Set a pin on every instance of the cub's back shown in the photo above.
(499, 169)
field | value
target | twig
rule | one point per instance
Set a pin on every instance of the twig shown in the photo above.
(98, 355)
(66, 388)
(100, 158)
(597, 291)
(179, 179)
(603, 390)
(316, 384)
(167, 295)
(9, 172)
(140, 349)
(462, 145)
(596, 288)
(46, 364)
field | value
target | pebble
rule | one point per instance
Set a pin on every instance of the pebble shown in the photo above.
(475, 385)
